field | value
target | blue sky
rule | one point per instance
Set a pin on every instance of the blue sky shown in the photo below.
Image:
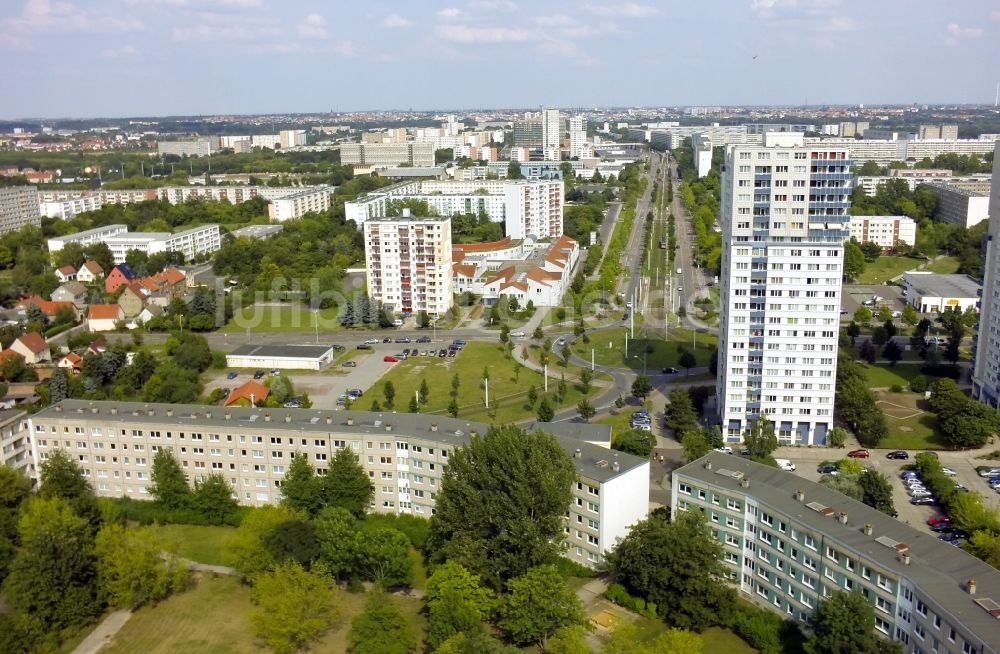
(157, 57)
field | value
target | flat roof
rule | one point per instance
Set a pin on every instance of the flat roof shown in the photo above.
(257, 231)
(956, 189)
(938, 285)
(90, 232)
(595, 462)
(282, 351)
(937, 568)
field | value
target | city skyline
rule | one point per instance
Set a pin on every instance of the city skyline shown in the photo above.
(188, 57)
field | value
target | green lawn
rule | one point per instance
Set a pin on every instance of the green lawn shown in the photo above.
(620, 422)
(508, 387)
(886, 267)
(715, 640)
(609, 348)
(913, 429)
(204, 544)
(881, 375)
(944, 265)
(213, 618)
(283, 319)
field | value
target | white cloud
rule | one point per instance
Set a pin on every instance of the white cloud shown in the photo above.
(957, 34)
(494, 5)
(347, 49)
(840, 24)
(45, 16)
(627, 10)
(555, 20)
(995, 15)
(197, 3)
(122, 52)
(471, 34)
(450, 12)
(313, 27)
(395, 21)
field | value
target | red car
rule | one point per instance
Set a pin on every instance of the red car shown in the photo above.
(938, 520)
(390, 359)
(859, 454)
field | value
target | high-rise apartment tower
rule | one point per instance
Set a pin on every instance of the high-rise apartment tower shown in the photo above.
(986, 374)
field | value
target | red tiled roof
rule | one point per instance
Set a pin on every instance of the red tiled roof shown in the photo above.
(482, 247)
(34, 342)
(67, 270)
(93, 267)
(518, 285)
(466, 269)
(48, 307)
(104, 312)
(259, 392)
(73, 358)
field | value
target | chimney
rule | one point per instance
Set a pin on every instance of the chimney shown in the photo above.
(59, 409)
(329, 420)
(350, 420)
(229, 415)
(208, 415)
(842, 517)
(288, 417)
(745, 483)
(114, 411)
(800, 495)
(906, 558)
(868, 529)
(616, 466)
(267, 417)
(434, 426)
(388, 426)
(93, 409)
(708, 465)
(970, 586)
(578, 454)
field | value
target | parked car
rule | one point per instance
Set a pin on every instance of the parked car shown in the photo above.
(859, 454)
(390, 359)
(785, 464)
(828, 469)
(364, 346)
(744, 451)
(942, 527)
(232, 374)
(919, 492)
(458, 342)
(337, 348)
(670, 371)
(407, 351)
(922, 501)
(403, 339)
(949, 472)
(517, 334)
(725, 449)
(897, 454)
(909, 474)
(342, 399)
(275, 372)
(938, 520)
(424, 339)
(372, 341)
(452, 352)
(561, 342)
(987, 471)
(350, 364)
(442, 352)
(259, 374)
(354, 393)
(387, 340)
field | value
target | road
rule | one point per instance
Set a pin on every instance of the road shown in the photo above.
(691, 281)
(637, 239)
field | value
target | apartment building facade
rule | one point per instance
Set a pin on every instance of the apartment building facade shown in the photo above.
(15, 441)
(405, 456)
(578, 146)
(408, 263)
(387, 154)
(18, 208)
(784, 223)
(885, 231)
(958, 205)
(297, 204)
(789, 544)
(986, 369)
(192, 242)
(201, 147)
(70, 207)
(551, 134)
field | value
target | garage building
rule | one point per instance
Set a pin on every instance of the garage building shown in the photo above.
(930, 292)
(283, 357)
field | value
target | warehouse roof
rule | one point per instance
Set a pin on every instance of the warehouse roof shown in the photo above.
(282, 351)
(936, 285)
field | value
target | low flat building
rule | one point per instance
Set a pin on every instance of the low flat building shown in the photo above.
(789, 543)
(257, 231)
(200, 147)
(930, 292)
(282, 357)
(405, 454)
(387, 155)
(885, 231)
(958, 205)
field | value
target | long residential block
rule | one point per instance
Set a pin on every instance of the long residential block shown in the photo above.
(405, 456)
(789, 544)
(986, 373)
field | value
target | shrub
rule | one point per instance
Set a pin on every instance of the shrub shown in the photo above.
(895, 388)
(919, 384)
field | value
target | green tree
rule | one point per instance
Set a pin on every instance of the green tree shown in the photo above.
(52, 577)
(514, 170)
(382, 555)
(389, 393)
(12, 366)
(687, 361)
(413, 406)
(294, 607)
(695, 443)
(760, 438)
(641, 387)
(863, 315)
(189, 351)
(586, 380)
(569, 640)
(455, 383)
(843, 623)
(346, 484)
(884, 314)
(246, 550)
(633, 441)
(502, 501)
(453, 408)
(425, 392)
(457, 603)
(679, 413)
(538, 604)
(876, 491)
(132, 570)
(854, 261)
(170, 487)
(677, 565)
(381, 629)
(909, 315)
(213, 499)
(335, 530)
(61, 477)
(625, 639)
(892, 353)
(585, 409)
(836, 437)
(545, 412)
(301, 489)
(293, 540)
(538, 334)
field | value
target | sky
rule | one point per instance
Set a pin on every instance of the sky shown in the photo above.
(109, 58)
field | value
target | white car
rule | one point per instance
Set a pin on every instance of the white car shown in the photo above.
(372, 341)
(725, 449)
(517, 334)
(785, 464)
(920, 493)
(949, 472)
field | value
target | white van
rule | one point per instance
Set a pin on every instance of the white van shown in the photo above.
(785, 464)
(679, 272)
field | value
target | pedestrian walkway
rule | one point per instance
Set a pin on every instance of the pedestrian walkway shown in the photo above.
(105, 631)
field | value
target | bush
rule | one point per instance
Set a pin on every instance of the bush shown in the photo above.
(416, 529)
(147, 513)
(218, 360)
(919, 384)
(760, 628)
(616, 594)
(567, 568)
(895, 388)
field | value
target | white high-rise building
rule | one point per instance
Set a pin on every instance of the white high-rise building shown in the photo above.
(578, 146)
(551, 134)
(409, 262)
(986, 373)
(784, 223)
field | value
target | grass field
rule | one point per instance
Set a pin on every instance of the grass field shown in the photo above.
(620, 422)
(609, 349)
(881, 375)
(886, 267)
(203, 544)
(213, 618)
(911, 425)
(283, 319)
(944, 265)
(715, 640)
(508, 387)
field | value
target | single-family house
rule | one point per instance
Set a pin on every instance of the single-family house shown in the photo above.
(47, 307)
(102, 317)
(249, 394)
(72, 362)
(97, 346)
(165, 285)
(72, 291)
(132, 299)
(89, 272)
(120, 274)
(65, 274)
(32, 347)
(149, 312)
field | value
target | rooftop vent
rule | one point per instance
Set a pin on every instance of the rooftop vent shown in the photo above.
(603, 463)
(434, 426)
(350, 420)
(378, 423)
(616, 466)
(253, 417)
(732, 474)
(577, 454)
(892, 544)
(800, 495)
(288, 417)
(820, 508)
(989, 605)
(313, 420)
(970, 586)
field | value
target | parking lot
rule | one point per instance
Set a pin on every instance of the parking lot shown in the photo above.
(855, 294)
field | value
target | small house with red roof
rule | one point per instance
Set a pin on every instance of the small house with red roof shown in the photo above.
(251, 393)
(72, 362)
(103, 317)
(48, 307)
(132, 299)
(89, 272)
(120, 274)
(33, 348)
(66, 274)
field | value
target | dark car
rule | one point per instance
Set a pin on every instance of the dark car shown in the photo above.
(828, 469)
(387, 340)
(350, 364)
(942, 528)
(232, 375)
(259, 374)
(442, 352)
(364, 346)
(453, 352)
(922, 500)
(403, 339)
(424, 339)
(897, 454)
(406, 352)
(354, 393)
(670, 371)
(338, 348)
(949, 536)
